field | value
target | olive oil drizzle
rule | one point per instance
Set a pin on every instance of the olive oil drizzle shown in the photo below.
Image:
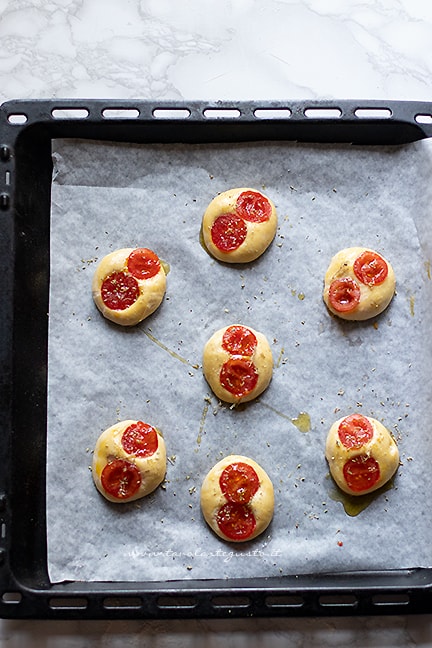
(355, 504)
(302, 422)
(165, 266)
(172, 353)
(203, 420)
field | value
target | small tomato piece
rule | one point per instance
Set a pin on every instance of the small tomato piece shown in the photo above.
(239, 482)
(344, 295)
(228, 232)
(238, 376)
(355, 430)
(119, 291)
(370, 268)
(239, 340)
(140, 439)
(236, 521)
(143, 263)
(120, 478)
(253, 207)
(361, 473)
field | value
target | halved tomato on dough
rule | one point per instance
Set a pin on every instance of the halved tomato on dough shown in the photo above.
(236, 521)
(143, 263)
(121, 478)
(119, 291)
(140, 439)
(239, 482)
(344, 294)
(228, 232)
(253, 207)
(361, 473)
(238, 376)
(370, 268)
(355, 430)
(239, 341)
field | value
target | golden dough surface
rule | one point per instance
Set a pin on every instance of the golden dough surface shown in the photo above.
(374, 299)
(259, 235)
(213, 499)
(378, 447)
(151, 290)
(216, 360)
(109, 448)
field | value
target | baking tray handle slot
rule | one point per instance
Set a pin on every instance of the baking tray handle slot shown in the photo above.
(423, 119)
(399, 599)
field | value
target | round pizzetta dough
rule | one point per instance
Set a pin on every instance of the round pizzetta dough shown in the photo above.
(237, 363)
(361, 453)
(239, 225)
(359, 284)
(237, 499)
(129, 461)
(129, 285)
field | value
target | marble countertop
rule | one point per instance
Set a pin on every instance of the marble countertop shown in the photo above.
(217, 50)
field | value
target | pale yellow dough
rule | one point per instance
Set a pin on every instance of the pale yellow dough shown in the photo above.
(214, 356)
(259, 235)
(382, 447)
(152, 290)
(108, 447)
(212, 498)
(373, 299)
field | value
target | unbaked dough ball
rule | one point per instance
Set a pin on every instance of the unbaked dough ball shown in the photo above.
(237, 499)
(237, 363)
(129, 285)
(362, 454)
(239, 225)
(359, 284)
(129, 461)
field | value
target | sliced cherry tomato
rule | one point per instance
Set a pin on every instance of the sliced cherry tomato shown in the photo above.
(119, 291)
(228, 232)
(253, 207)
(121, 478)
(239, 340)
(140, 439)
(239, 482)
(355, 430)
(361, 473)
(238, 376)
(236, 521)
(142, 263)
(344, 294)
(370, 268)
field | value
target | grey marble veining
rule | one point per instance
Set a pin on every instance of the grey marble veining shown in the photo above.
(232, 49)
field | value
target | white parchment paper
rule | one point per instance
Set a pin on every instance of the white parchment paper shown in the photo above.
(108, 195)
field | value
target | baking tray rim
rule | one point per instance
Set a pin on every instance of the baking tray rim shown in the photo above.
(26, 131)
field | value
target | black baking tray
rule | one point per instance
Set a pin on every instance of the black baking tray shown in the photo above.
(27, 129)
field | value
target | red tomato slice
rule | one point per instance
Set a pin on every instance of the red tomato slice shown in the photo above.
(355, 430)
(121, 478)
(119, 291)
(239, 482)
(253, 207)
(228, 232)
(140, 439)
(238, 376)
(142, 263)
(344, 295)
(370, 268)
(361, 473)
(236, 521)
(239, 340)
